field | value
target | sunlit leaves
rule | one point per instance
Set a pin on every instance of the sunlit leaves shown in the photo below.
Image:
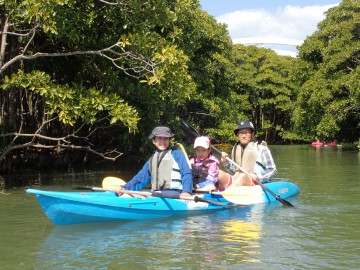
(125, 40)
(74, 103)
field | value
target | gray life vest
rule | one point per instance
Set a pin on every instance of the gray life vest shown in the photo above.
(245, 157)
(164, 171)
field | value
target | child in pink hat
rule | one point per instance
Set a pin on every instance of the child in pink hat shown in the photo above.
(204, 166)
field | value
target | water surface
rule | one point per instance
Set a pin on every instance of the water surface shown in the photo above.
(320, 232)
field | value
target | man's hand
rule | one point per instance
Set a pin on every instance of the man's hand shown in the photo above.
(118, 190)
(223, 157)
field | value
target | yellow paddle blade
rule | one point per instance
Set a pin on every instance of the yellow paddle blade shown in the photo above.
(244, 195)
(112, 182)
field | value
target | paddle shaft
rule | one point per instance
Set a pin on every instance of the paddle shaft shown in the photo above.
(277, 197)
(134, 192)
(163, 194)
(109, 183)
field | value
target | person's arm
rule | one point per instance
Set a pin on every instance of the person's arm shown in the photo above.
(230, 168)
(140, 179)
(185, 171)
(269, 164)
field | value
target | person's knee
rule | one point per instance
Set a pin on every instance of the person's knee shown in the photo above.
(223, 179)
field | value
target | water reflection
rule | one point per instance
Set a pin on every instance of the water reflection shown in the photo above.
(221, 238)
(245, 234)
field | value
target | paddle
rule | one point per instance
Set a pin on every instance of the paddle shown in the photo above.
(111, 182)
(237, 195)
(172, 194)
(192, 132)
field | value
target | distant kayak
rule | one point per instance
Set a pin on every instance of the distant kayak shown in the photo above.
(331, 144)
(317, 143)
(64, 207)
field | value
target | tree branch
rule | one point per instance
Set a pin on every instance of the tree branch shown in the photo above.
(3, 40)
(114, 53)
(56, 143)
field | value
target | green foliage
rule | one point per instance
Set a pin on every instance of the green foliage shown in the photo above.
(141, 64)
(71, 104)
(136, 64)
(263, 89)
(329, 98)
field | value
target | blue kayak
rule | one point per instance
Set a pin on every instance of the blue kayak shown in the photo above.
(64, 208)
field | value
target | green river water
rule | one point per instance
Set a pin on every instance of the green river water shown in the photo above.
(322, 231)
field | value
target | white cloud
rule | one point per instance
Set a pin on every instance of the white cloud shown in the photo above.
(289, 22)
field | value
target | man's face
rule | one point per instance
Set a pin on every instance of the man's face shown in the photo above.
(245, 135)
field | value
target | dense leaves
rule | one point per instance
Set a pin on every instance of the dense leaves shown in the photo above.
(82, 59)
(72, 103)
(98, 75)
(329, 99)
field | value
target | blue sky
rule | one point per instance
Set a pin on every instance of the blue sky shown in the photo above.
(274, 21)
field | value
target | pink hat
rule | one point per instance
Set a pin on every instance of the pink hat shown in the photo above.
(203, 142)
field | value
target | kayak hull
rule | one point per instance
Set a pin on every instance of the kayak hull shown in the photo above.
(331, 144)
(64, 208)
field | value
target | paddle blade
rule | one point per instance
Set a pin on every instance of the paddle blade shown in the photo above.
(243, 195)
(284, 202)
(247, 195)
(182, 149)
(111, 182)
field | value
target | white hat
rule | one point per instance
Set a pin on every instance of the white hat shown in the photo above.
(203, 142)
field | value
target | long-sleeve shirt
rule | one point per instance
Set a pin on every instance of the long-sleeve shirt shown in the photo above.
(212, 169)
(143, 177)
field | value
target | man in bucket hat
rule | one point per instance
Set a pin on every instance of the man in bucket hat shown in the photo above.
(161, 132)
(167, 168)
(254, 157)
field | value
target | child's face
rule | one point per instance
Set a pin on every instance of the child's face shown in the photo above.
(161, 143)
(201, 152)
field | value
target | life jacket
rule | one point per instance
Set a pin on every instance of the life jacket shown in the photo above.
(247, 157)
(200, 172)
(164, 171)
